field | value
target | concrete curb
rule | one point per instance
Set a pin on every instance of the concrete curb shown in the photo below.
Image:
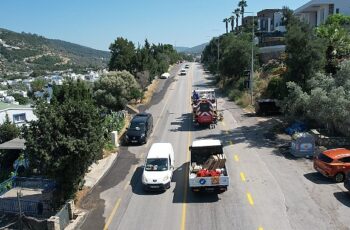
(98, 170)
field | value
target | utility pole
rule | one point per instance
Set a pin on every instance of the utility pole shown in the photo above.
(19, 195)
(252, 66)
(218, 54)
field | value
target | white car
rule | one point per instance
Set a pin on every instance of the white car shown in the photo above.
(165, 76)
(159, 167)
(183, 72)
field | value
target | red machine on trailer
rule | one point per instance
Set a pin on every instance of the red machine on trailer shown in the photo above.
(204, 106)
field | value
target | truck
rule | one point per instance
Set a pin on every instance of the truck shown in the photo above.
(207, 167)
(204, 107)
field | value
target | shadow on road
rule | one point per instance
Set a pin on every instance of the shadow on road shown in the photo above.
(116, 174)
(180, 177)
(318, 178)
(137, 186)
(343, 197)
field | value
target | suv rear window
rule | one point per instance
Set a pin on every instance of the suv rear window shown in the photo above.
(325, 158)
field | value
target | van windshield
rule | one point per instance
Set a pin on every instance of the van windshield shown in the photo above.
(157, 164)
(137, 126)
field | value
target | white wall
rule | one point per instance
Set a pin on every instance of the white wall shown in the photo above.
(11, 112)
(343, 6)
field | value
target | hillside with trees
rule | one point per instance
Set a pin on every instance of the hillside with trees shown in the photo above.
(25, 52)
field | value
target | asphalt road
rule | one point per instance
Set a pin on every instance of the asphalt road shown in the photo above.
(268, 189)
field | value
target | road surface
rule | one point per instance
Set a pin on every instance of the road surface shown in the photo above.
(268, 189)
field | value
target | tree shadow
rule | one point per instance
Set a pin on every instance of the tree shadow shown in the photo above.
(185, 124)
(343, 197)
(260, 135)
(137, 186)
(318, 178)
(182, 192)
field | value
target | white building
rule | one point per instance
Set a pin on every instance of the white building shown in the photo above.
(316, 12)
(18, 114)
(46, 92)
(278, 22)
(57, 80)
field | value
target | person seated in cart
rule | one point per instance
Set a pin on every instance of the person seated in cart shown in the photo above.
(195, 96)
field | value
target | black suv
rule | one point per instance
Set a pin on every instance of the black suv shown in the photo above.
(140, 129)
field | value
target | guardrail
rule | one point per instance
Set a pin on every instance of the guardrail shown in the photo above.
(6, 185)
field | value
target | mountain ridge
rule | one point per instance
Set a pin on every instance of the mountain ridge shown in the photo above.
(26, 52)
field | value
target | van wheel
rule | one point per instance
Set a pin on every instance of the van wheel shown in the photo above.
(339, 177)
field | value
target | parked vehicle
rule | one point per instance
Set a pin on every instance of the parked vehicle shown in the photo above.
(208, 170)
(183, 72)
(140, 129)
(159, 167)
(165, 76)
(333, 163)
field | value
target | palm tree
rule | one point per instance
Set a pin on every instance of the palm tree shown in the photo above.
(242, 4)
(226, 20)
(232, 20)
(237, 12)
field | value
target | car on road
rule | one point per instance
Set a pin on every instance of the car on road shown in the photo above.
(333, 163)
(165, 76)
(140, 129)
(187, 66)
(183, 72)
(159, 167)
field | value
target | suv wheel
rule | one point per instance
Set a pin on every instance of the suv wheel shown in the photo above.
(339, 177)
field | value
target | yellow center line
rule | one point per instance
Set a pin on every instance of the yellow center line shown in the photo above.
(126, 185)
(184, 202)
(260, 228)
(236, 158)
(110, 218)
(242, 176)
(250, 199)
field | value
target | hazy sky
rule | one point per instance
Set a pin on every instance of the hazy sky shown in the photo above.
(96, 23)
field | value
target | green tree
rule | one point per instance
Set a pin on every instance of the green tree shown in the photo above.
(38, 84)
(122, 55)
(8, 130)
(226, 20)
(336, 34)
(67, 137)
(237, 12)
(20, 99)
(305, 53)
(115, 89)
(242, 4)
(232, 21)
(236, 56)
(288, 17)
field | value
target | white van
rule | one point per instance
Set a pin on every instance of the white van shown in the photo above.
(165, 76)
(159, 167)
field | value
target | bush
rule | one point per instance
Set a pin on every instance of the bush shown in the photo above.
(244, 99)
(234, 94)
